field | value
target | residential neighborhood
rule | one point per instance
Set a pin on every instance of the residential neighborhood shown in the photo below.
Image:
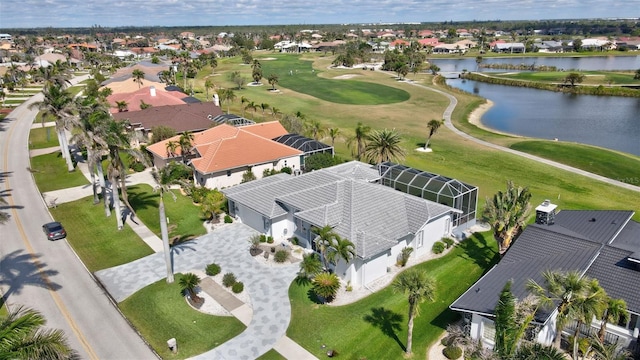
(305, 192)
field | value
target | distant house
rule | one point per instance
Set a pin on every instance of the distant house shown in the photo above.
(449, 49)
(514, 48)
(150, 95)
(222, 154)
(377, 219)
(549, 46)
(603, 245)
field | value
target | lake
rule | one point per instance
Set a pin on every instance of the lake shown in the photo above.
(565, 63)
(606, 121)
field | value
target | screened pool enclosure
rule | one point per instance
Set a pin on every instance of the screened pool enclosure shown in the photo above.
(434, 187)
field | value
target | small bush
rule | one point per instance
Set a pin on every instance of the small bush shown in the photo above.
(444, 341)
(270, 240)
(438, 247)
(228, 279)
(228, 219)
(448, 242)
(286, 170)
(295, 241)
(237, 287)
(138, 167)
(349, 287)
(263, 238)
(452, 352)
(212, 269)
(281, 256)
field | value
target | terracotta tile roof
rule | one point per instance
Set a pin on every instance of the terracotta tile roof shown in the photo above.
(129, 86)
(155, 97)
(269, 130)
(185, 117)
(226, 147)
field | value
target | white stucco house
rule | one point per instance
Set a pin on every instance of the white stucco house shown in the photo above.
(377, 219)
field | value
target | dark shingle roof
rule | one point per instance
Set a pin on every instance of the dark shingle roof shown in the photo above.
(576, 242)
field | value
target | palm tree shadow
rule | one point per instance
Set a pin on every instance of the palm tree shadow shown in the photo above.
(181, 243)
(4, 175)
(143, 200)
(311, 295)
(388, 322)
(478, 249)
(18, 270)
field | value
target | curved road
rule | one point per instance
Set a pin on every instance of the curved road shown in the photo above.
(48, 276)
(453, 102)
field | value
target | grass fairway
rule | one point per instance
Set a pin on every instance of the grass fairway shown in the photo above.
(42, 138)
(590, 77)
(184, 217)
(50, 172)
(298, 75)
(159, 312)
(95, 238)
(375, 327)
(596, 160)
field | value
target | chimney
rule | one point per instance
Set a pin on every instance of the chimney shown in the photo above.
(152, 90)
(545, 213)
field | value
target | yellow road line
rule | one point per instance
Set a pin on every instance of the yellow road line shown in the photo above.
(56, 298)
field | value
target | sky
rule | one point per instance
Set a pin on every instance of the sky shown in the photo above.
(113, 13)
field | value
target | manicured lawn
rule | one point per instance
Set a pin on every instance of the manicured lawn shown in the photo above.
(590, 77)
(343, 91)
(42, 138)
(184, 217)
(272, 355)
(375, 327)
(588, 158)
(95, 237)
(159, 312)
(50, 172)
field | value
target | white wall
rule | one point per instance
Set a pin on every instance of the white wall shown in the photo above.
(222, 179)
(279, 225)
(250, 217)
(375, 268)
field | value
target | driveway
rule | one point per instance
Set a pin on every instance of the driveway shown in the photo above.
(229, 248)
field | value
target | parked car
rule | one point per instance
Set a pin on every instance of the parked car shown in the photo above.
(54, 230)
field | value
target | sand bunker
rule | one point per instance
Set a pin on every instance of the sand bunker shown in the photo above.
(346, 76)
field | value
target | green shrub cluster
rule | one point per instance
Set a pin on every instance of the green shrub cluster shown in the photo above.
(281, 256)
(175, 171)
(212, 269)
(228, 219)
(269, 239)
(448, 242)
(237, 287)
(438, 247)
(228, 279)
(263, 238)
(452, 352)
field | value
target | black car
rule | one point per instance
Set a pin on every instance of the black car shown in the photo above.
(54, 231)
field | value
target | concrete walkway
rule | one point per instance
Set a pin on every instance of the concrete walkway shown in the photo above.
(228, 247)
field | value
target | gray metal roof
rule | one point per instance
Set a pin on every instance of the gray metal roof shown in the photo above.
(376, 215)
(356, 170)
(574, 243)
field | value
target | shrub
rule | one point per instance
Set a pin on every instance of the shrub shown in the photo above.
(138, 167)
(263, 238)
(286, 170)
(269, 240)
(228, 219)
(438, 247)
(448, 242)
(281, 256)
(403, 257)
(452, 352)
(212, 269)
(326, 285)
(294, 240)
(228, 279)
(349, 287)
(237, 287)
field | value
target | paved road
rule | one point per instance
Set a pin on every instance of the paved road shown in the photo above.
(229, 248)
(47, 275)
(453, 102)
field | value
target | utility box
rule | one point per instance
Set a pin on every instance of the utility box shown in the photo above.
(173, 345)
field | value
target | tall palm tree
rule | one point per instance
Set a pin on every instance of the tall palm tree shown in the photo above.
(227, 95)
(208, 84)
(162, 186)
(243, 100)
(310, 266)
(189, 282)
(275, 112)
(562, 290)
(315, 129)
(614, 310)
(333, 133)
(172, 146)
(22, 337)
(359, 139)
(507, 213)
(433, 126)
(383, 145)
(186, 144)
(138, 76)
(418, 286)
(252, 106)
(264, 107)
(590, 303)
(58, 104)
(323, 240)
(340, 249)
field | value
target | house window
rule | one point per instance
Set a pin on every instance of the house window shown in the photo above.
(267, 224)
(420, 239)
(488, 330)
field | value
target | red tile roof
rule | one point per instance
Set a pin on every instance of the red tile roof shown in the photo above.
(161, 98)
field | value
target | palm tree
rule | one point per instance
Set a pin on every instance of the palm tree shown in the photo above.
(227, 95)
(614, 311)
(22, 337)
(433, 126)
(340, 249)
(589, 304)
(252, 106)
(172, 146)
(189, 282)
(275, 111)
(310, 266)
(264, 107)
(273, 80)
(507, 213)
(536, 351)
(186, 144)
(243, 100)
(418, 286)
(324, 238)
(315, 129)
(326, 285)
(208, 84)
(122, 106)
(58, 104)
(359, 139)
(384, 145)
(138, 76)
(602, 351)
(162, 186)
(333, 133)
(562, 290)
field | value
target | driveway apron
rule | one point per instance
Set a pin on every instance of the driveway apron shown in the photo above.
(229, 248)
